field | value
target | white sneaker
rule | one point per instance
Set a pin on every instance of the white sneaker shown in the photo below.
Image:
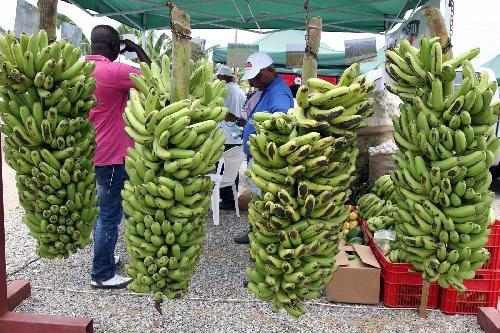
(116, 282)
(117, 260)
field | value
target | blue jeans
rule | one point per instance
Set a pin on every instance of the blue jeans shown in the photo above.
(253, 188)
(110, 180)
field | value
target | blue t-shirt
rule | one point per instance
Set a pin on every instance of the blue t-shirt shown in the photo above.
(277, 97)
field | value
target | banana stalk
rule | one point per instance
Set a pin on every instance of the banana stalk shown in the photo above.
(181, 53)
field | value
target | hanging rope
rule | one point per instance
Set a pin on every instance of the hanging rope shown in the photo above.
(318, 303)
(308, 49)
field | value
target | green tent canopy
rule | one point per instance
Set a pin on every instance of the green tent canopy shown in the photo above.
(494, 65)
(330, 62)
(275, 43)
(338, 15)
(364, 67)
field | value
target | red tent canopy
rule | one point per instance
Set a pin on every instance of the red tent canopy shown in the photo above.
(288, 78)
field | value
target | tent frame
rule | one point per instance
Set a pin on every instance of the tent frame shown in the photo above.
(214, 20)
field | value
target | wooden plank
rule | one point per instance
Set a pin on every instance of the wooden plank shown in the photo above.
(17, 292)
(28, 322)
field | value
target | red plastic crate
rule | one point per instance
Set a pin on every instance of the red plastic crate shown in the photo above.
(493, 247)
(483, 290)
(400, 287)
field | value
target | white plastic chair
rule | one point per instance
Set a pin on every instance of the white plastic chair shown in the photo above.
(231, 160)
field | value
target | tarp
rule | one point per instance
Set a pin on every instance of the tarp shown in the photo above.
(275, 43)
(494, 65)
(338, 15)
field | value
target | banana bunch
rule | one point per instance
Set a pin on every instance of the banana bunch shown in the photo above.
(371, 205)
(46, 94)
(384, 188)
(303, 163)
(384, 222)
(167, 196)
(396, 255)
(201, 72)
(442, 168)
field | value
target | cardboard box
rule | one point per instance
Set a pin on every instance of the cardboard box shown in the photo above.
(355, 281)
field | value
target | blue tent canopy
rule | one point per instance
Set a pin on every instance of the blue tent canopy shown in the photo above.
(494, 65)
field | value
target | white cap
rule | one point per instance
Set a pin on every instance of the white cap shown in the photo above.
(297, 80)
(255, 62)
(225, 71)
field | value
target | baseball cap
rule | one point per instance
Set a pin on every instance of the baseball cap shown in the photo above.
(225, 71)
(255, 62)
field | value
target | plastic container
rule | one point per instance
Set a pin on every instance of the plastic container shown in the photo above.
(400, 287)
(483, 290)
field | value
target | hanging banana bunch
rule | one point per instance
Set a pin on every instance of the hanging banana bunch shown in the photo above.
(447, 145)
(46, 94)
(304, 163)
(167, 197)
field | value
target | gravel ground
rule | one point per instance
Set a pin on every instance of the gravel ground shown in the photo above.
(217, 301)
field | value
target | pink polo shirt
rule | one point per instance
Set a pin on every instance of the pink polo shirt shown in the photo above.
(112, 93)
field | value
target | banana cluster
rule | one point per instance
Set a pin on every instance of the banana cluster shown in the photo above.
(371, 205)
(384, 188)
(304, 162)
(46, 94)
(381, 214)
(167, 196)
(382, 222)
(442, 168)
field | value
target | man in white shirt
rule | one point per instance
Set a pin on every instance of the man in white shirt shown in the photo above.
(234, 101)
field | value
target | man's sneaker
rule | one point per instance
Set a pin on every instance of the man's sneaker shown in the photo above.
(116, 282)
(117, 260)
(243, 239)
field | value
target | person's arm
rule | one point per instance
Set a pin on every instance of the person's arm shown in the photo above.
(231, 104)
(281, 102)
(133, 47)
(240, 121)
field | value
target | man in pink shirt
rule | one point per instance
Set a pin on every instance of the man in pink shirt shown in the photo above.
(112, 93)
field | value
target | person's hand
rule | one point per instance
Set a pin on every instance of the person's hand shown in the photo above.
(231, 117)
(241, 122)
(130, 46)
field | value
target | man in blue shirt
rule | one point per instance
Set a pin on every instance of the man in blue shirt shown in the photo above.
(275, 97)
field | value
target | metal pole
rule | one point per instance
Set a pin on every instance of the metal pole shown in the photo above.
(143, 39)
(235, 69)
(383, 78)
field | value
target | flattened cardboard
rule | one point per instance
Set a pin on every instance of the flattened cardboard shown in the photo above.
(366, 255)
(355, 281)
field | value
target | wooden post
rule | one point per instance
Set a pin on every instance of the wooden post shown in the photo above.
(181, 53)
(422, 311)
(437, 28)
(310, 62)
(47, 16)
